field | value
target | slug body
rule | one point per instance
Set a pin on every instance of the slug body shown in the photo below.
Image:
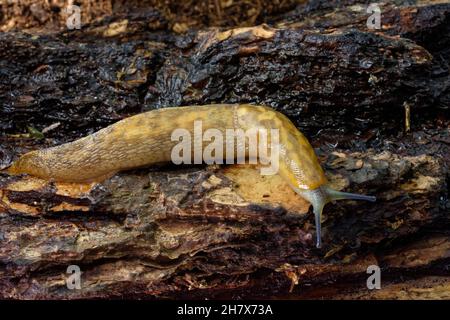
(145, 139)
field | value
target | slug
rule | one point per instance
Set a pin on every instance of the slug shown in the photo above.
(145, 139)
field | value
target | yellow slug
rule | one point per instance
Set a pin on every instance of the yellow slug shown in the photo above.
(146, 139)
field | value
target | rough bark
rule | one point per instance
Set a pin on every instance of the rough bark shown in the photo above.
(225, 231)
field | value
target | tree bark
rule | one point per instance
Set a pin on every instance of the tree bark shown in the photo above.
(226, 231)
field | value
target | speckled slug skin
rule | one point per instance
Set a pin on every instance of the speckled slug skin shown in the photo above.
(145, 139)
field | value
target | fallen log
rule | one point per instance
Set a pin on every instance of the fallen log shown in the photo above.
(226, 231)
(297, 72)
(214, 230)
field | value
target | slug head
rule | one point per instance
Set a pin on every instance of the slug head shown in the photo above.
(320, 197)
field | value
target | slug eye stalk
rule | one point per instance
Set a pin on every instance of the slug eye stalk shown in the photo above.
(321, 196)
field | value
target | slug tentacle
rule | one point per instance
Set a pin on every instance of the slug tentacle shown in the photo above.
(320, 197)
(317, 209)
(338, 195)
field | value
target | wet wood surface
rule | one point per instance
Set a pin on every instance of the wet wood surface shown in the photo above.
(226, 231)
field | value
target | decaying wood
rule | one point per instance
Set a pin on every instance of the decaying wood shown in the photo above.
(226, 231)
(216, 230)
